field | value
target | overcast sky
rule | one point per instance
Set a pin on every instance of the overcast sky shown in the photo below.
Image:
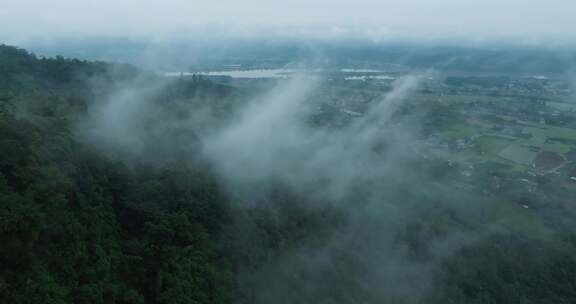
(376, 19)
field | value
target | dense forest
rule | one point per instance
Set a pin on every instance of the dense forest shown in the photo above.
(78, 226)
(83, 224)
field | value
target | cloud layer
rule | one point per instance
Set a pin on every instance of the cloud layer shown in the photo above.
(529, 19)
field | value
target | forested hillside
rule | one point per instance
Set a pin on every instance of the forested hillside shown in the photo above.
(80, 223)
(78, 226)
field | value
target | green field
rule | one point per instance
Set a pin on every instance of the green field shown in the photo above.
(465, 98)
(518, 153)
(491, 144)
(538, 130)
(460, 130)
(561, 132)
(562, 106)
(557, 148)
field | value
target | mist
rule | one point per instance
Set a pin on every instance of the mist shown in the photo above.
(332, 152)
(271, 139)
(367, 170)
(526, 22)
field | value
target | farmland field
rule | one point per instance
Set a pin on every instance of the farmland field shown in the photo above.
(520, 154)
(492, 144)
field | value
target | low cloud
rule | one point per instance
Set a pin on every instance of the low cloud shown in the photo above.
(363, 169)
(272, 139)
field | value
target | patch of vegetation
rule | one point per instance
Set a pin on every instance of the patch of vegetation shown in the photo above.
(519, 153)
(491, 144)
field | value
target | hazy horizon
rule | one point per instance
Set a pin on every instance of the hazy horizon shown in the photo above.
(522, 22)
